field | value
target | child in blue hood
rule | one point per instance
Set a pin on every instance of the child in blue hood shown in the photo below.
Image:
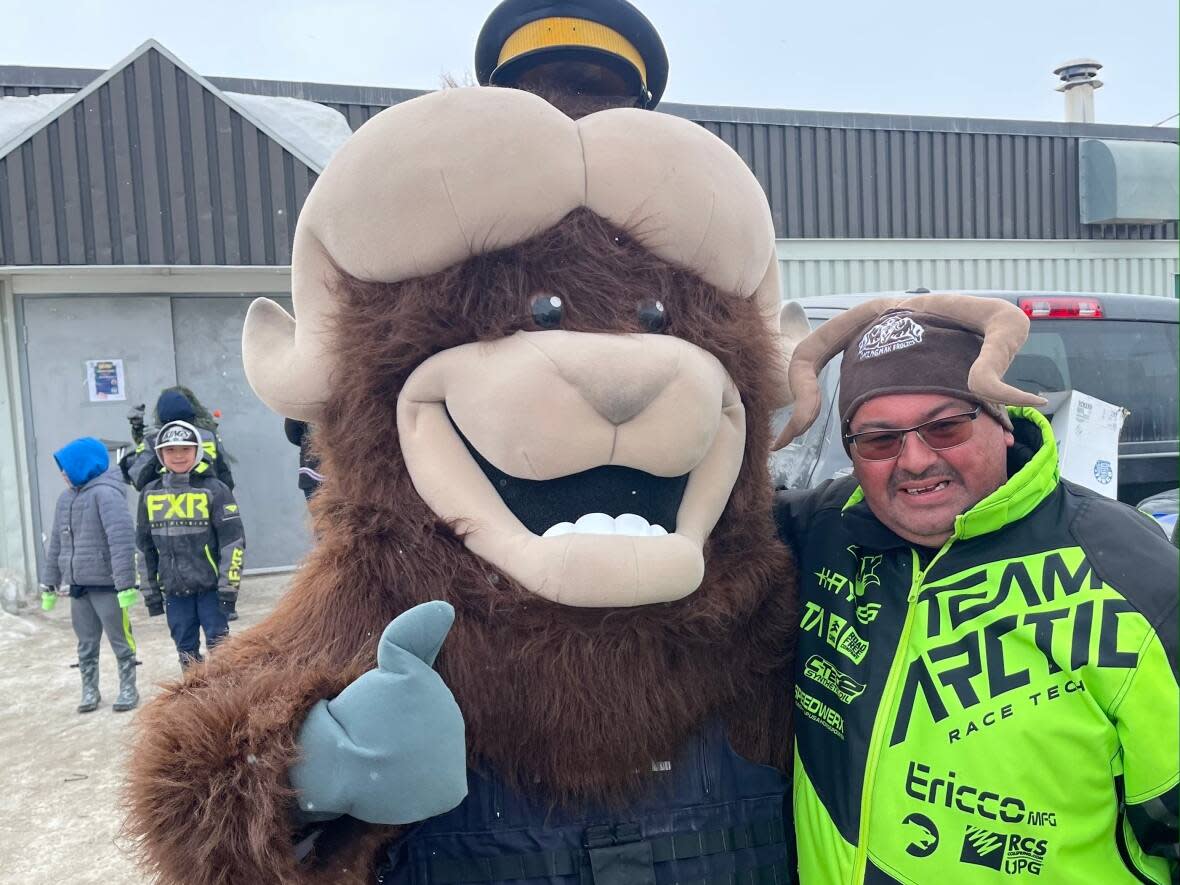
(92, 551)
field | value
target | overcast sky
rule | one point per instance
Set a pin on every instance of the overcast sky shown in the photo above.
(989, 59)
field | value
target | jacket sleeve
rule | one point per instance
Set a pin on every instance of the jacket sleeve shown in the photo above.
(208, 770)
(221, 464)
(1145, 717)
(1135, 674)
(230, 539)
(146, 465)
(120, 533)
(51, 574)
(149, 564)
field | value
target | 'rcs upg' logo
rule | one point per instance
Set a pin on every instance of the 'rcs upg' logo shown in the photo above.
(1012, 853)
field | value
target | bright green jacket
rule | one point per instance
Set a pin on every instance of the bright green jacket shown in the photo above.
(1004, 709)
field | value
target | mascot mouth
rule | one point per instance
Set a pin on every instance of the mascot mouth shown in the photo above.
(589, 468)
(606, 500)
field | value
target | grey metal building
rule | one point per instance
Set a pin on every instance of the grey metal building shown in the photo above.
(140, 217)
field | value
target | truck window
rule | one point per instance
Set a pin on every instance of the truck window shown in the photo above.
(1131, 364)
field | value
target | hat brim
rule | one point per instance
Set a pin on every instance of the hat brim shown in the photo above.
(514, 69)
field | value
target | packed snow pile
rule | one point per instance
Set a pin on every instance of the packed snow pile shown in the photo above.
(18, 113)
(15, 596)
(14, 628)
(316, 130)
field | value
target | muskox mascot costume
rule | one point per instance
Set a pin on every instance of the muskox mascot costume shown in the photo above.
(540, 356)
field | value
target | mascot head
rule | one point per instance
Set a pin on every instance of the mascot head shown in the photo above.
(555, 311)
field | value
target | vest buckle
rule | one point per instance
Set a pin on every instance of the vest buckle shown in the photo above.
(605, 835)
(617, 855)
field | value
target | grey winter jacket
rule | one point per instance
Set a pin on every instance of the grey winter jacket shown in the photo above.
(93, 537)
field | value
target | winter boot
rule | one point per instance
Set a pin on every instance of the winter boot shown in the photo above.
(88, 667)
(128, 697)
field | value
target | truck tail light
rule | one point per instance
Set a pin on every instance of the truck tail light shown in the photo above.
(1057, 307)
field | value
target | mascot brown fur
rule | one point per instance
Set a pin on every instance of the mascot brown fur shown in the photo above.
(568, 702)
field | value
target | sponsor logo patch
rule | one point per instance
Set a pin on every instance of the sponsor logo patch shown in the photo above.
(926, 841)
(1011, 853)
(841, 685)
(948, 790)
(867, 613)
(831, 580)
(817, 711)
(980, 665)
(177, 506)
(177, 435)
(892, 333)
(835, 631)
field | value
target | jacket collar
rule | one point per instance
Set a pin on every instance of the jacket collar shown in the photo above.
(1032, 476)
(172, 480)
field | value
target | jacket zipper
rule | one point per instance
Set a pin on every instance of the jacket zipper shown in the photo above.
(885, 711)
(703, 761)
(70, 531)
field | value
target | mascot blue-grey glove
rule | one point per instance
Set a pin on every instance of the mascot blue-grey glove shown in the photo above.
(390, 748)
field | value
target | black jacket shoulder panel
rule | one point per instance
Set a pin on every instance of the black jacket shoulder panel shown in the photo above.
(1127, 550)
(795, 509)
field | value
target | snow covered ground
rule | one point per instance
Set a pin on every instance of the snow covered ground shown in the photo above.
(61, 772)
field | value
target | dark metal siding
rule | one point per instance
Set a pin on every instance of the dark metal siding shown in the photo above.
(20, 81)
(826, 175)
(854, 176)
(856, 182)
(21, 91)
(151, 168)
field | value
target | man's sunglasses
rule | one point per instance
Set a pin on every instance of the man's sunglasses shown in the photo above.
(939, 434)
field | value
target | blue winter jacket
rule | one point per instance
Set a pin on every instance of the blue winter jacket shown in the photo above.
(93, 538)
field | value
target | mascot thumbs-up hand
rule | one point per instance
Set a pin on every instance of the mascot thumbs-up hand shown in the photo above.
(389, 749)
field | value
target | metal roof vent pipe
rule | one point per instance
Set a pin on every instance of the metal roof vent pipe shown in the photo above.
(1078, 82)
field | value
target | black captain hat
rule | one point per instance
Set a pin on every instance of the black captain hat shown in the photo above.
(523, 35)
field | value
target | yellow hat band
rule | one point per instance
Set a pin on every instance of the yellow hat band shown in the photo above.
(553, 32)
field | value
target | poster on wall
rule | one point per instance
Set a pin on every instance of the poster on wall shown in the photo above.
(104, 380)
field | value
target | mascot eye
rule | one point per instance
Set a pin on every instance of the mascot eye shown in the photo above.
(653, 316)
(546, 310)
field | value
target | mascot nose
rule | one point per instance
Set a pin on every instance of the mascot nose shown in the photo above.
(619, 403)
(619, 375)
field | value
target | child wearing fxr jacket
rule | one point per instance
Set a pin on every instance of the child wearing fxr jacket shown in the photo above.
(91, 550)
(190, 537)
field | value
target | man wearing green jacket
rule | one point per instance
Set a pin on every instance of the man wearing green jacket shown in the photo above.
(986, 678)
